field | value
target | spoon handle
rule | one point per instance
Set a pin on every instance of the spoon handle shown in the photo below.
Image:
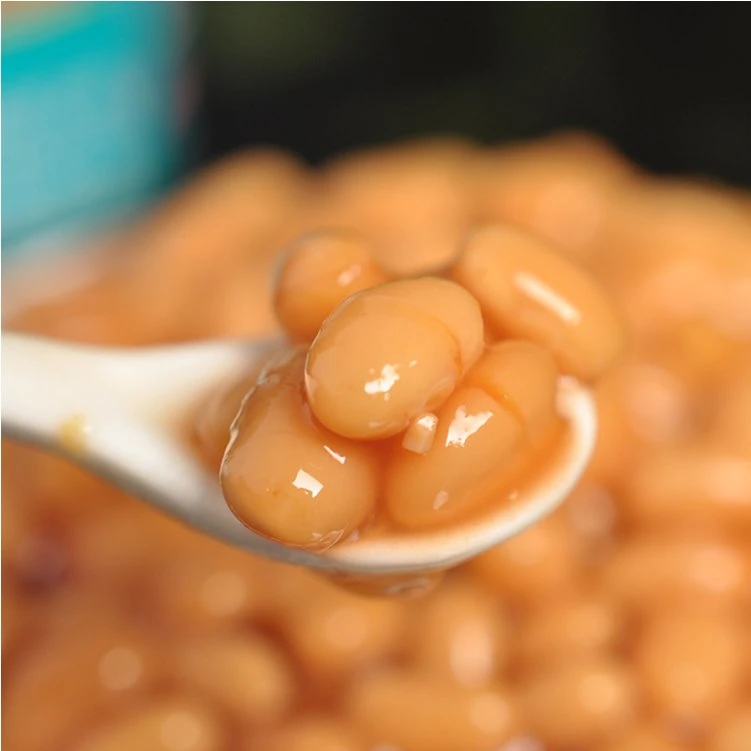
(113, 411)
(67, 399)
(121, 413)
(47, 388)
(92, 406)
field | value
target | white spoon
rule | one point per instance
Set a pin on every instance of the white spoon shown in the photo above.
(123, 413)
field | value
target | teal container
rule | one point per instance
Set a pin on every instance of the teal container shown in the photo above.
(97, 102)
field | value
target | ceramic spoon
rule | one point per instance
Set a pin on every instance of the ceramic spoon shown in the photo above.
(122, 413)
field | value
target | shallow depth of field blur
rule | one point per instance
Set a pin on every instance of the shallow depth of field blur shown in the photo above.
(191, 144)
(107, 104)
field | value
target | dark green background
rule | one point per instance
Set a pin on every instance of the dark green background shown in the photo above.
(669, 82)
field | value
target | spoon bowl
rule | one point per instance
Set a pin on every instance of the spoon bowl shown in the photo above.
(124, 414)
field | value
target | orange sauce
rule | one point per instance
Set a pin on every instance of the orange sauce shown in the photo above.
(620, 623)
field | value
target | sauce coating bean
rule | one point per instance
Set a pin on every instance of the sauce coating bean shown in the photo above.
(649, 569)
(689, 661)
(248, 674)
(620, 623)
(411, 200)
(461, 634)
(540, 563)
(109, 661)
(582, 702)
(730, 426)
(563, 188)
(420, 435)
(576, 627)
(520, 376)
(204, 590)
(106, 542)
(319, 271)
(229, 207)
(313, 733)
(215, 419)
(735, 733)
(391, 353)
(526, 290)
(337, 633)
(422, 713)
(475, 442)
(644, 739)
(506, 401)
(693, 485)
(175, 723)
(289, 478)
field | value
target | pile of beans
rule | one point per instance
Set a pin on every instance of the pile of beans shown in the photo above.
(620, 623)
(407, 404)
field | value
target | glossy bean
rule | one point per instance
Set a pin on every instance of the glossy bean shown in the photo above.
(422, 713)
(319, 271)
(389, 354)
(288, 478)
(528, 291)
